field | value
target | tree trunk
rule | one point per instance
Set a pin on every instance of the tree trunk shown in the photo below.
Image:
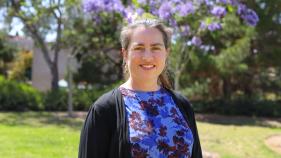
(70, 90)
(55, 76)
(34, 30)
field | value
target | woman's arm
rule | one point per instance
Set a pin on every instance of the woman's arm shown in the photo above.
(197, 151)
(95, 135)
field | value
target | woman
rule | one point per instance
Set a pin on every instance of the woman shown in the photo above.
(142, 117)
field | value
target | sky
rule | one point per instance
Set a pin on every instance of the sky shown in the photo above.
(17, 27)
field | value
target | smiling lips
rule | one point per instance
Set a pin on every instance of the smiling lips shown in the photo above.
(147, 66)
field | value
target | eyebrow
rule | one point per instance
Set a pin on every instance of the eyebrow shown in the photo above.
(154, 44)
(157, 44)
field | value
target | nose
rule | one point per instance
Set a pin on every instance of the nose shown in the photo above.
(147, 55)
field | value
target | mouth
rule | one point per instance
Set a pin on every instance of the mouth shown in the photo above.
(147, 66)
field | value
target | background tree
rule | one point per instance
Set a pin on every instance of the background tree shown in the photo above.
(191, 20)
(93, 44)
(220, 66)
(266, 46)
(7, 53)
(21, 67)
(39, 19)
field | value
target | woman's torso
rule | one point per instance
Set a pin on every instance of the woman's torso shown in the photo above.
(156, 126)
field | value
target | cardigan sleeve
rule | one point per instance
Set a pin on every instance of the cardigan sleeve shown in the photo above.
(96, 133)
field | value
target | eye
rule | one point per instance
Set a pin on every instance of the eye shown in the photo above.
(156, 48)
(138, 48)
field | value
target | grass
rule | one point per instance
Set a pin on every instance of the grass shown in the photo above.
(238, 137)
(38, 135)
(48, 135)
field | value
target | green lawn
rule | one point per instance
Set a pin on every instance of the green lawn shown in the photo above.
(237, 141)
(38, 135)
(45, 135)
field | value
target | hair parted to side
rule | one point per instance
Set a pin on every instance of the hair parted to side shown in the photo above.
(125, 38)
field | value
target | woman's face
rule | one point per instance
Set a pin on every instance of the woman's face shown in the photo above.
(146, 54)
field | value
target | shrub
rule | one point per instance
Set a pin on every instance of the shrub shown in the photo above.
(21, 67)
(55, 100)
(15, 96)
(248, 107)
(84, 98)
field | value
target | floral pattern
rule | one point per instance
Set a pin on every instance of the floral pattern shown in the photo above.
(157, 129)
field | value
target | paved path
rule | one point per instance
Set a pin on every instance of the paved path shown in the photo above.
(274, 142)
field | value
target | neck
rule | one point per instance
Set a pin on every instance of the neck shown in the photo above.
(141, 85)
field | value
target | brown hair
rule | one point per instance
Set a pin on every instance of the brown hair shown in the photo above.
(152, 23)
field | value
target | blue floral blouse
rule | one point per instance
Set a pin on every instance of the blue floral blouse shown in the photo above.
(157, 128)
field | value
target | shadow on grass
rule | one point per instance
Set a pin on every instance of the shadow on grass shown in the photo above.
(239, 120)
(41, 119)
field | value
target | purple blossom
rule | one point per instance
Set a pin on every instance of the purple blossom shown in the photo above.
(96, 19)
(97, 6)
(173, 22)
(129, 14)
(154, 3)
(153, 7)
(196, 41)
(89, 6)
(176, 1)
(118, 7)
(248, 15)
(185, 9)
(222, 1)
(251, 18)
(140, 11)
(214, 26)
(209, 2)
(185, 30)
(241, 9)
(218, 11)
(172, 9)
(144, 2)
(154, 10)
(203, 25)
(165, 10)
(234, 2)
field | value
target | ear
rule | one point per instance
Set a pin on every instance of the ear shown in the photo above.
(124, 53)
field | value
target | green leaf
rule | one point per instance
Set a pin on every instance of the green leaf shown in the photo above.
(230, 8)
(136, 3)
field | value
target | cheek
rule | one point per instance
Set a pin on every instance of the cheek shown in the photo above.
(133, 58)
(162, 57)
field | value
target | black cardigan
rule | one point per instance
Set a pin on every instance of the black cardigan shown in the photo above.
(105, 131)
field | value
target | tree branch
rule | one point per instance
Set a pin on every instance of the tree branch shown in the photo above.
(34, 32)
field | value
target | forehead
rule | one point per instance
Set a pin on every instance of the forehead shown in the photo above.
(142, 34)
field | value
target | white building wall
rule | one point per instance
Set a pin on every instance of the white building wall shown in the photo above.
(41, 74)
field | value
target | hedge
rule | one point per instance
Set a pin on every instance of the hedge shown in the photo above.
(16, 96)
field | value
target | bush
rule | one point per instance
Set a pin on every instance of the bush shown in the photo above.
(15, 96)
(55, 100)
(82, 98)
(248, 107)
(21, 67)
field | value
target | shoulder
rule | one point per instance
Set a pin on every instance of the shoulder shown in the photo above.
(181, 99)
(177, 95)
(105, 102)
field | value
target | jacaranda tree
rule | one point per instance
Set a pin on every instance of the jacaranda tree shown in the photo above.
(190, 19)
